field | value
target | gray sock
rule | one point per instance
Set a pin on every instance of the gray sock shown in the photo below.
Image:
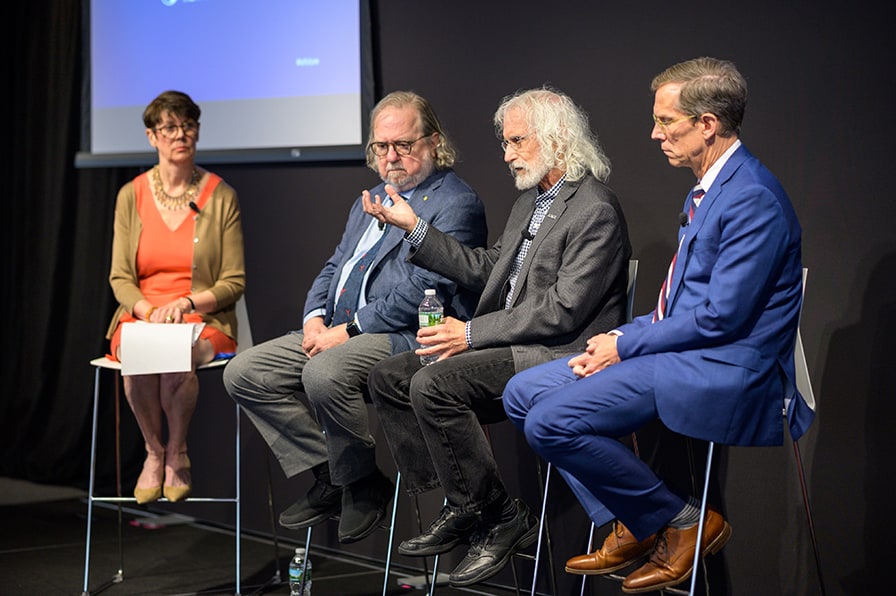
(688, 516)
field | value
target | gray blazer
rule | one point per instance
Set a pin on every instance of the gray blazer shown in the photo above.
(572, 284)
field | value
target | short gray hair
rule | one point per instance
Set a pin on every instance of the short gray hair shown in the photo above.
(708, 85)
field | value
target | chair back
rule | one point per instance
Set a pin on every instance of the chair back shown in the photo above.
(803, 383)
(630, 292)
(244, 329)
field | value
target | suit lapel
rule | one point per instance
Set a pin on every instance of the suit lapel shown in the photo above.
(558, 206)
(701, 215)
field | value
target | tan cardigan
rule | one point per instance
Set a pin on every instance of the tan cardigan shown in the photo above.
(218, 261)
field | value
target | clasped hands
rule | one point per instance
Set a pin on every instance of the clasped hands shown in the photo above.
(173, 312)
(599, 354)
(317, 337)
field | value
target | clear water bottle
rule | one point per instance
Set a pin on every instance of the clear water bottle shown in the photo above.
(299, 580)
(430, 313)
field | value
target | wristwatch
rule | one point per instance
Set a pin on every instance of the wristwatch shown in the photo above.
(352, 329)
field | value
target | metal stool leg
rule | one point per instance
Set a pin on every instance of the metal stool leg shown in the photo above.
(541, 522)
(96, 402)
(391, 532)
(809, 519)
(589, 549)
(237, 502)
(91, 497)
(697, 550)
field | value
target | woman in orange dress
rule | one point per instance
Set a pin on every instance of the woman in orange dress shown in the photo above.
(177, 256)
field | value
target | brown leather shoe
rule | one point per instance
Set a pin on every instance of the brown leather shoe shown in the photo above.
(673, 556)
(620, 549)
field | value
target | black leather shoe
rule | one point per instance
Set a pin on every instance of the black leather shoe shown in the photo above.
(363, 506)
(443, 534)
(493, 545)
(323, 501)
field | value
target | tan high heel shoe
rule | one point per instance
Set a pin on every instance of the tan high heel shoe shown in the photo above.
(148, 495)
(179, 493)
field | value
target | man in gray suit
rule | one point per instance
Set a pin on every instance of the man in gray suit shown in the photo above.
(556, 276)
(361, 308)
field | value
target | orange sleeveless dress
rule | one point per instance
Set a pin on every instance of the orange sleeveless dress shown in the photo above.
(165, 260)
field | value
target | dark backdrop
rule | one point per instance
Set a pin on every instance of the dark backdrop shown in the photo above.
(819, 116)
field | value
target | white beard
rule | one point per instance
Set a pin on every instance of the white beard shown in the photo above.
(530, 174)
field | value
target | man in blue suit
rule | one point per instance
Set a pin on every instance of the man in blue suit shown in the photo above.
(713, 361)
(361, 308)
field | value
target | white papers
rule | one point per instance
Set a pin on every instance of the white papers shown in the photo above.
(152, 348)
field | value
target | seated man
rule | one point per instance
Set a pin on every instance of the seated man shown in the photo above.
(556, 276)
(361, 308)
(713, 361)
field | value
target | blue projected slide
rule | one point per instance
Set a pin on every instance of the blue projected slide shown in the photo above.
(266, 73)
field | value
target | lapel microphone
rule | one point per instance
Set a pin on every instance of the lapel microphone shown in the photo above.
(683, 219)
(194, 207)
(525, 234)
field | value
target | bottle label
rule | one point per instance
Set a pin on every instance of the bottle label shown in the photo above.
(428, 319)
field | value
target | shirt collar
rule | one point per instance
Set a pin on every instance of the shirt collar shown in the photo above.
(552, 191)
(710, 176)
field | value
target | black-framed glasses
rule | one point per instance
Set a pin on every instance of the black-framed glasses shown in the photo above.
(169, 131)
(381, 149)
(515, 142)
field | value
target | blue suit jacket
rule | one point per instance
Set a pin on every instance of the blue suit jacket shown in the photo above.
(395, 287)
(725, 369)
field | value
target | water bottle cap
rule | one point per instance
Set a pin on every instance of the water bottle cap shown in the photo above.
(429, 292)
(300, 551)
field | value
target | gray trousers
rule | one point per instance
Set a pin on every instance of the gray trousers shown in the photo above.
(265, 380)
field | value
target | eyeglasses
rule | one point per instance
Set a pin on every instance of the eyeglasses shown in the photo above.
(381, 149)
(664, 124)
(169, 131)
(515, 142)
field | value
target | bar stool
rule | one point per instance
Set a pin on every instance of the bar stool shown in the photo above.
(804, 386)
(104, 363)
(542, 522)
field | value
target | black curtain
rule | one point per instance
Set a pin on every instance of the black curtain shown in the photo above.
(56, 248)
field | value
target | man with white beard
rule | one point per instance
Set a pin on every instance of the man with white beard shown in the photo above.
(555, 277)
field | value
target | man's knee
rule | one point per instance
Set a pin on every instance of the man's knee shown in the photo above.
(388, 380)
(243, 378)
(234, 374)
(544, 430)
(516, 400)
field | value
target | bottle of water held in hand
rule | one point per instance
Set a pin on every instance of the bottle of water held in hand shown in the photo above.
(298, 587)
(430, 313)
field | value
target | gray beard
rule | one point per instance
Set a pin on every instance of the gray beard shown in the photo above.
(409, 182)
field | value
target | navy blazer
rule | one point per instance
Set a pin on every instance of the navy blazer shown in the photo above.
(395, 287)
(725, 368)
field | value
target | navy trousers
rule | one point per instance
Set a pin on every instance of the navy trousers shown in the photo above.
(576, 423)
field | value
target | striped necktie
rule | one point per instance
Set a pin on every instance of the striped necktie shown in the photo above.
(663, 300)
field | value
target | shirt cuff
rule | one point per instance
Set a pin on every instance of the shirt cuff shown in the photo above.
(468, 335)
(319, 312)
(415, 236)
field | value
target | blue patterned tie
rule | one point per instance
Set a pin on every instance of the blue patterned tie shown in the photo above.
(347, 303)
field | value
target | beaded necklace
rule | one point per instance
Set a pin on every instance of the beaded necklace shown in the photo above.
(180, 201)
